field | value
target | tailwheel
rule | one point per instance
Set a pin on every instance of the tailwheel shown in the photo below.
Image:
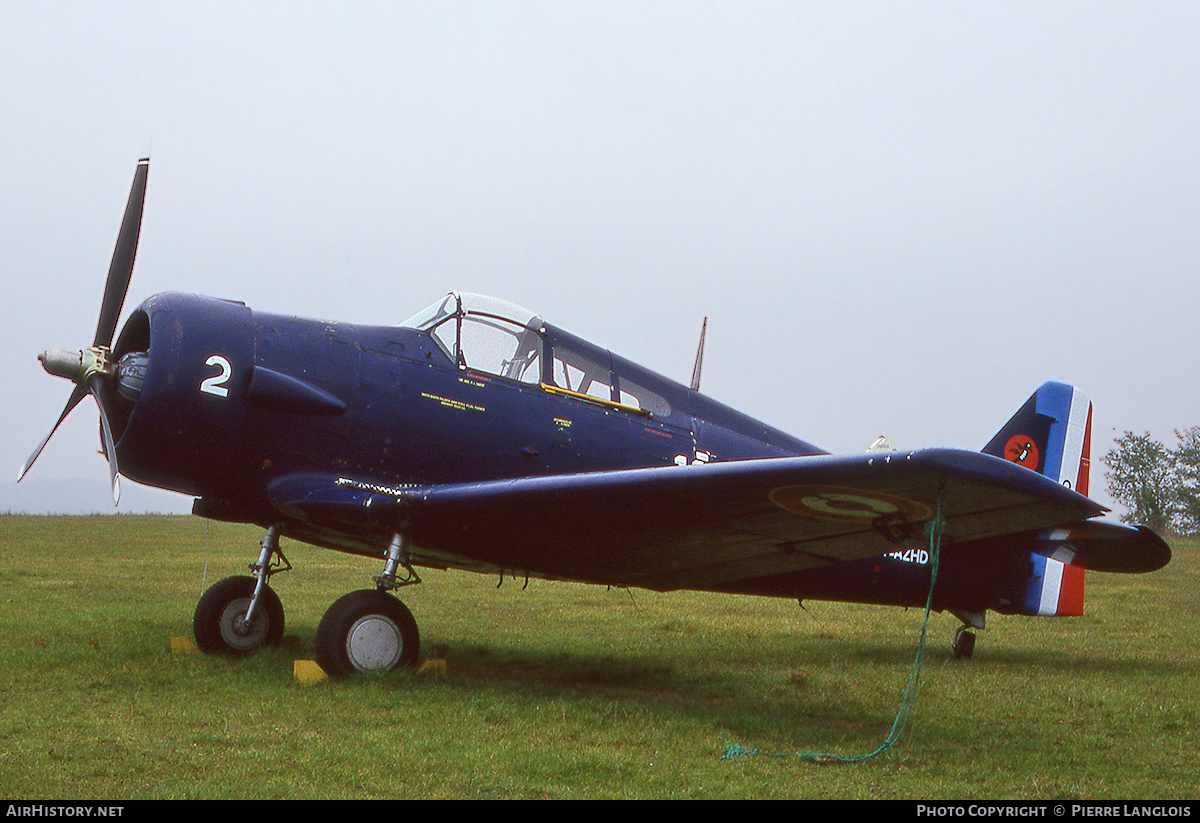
(220, 623)
(367, 631)
(964, 643)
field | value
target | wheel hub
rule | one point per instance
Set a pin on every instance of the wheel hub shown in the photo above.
(374, 643)
(238, 632)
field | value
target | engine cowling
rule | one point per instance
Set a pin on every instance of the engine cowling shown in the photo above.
(184, 368)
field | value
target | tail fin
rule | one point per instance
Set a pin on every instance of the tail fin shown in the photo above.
(1051, 434)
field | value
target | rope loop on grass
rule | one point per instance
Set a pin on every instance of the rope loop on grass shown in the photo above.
(934, 528)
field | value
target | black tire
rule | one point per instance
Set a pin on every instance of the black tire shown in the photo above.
(218, 624)
(367, 631)
(964, 645)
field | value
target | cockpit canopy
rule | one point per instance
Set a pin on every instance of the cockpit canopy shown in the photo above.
(497, 337)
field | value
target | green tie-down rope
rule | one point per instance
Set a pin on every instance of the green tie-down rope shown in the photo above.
(933, 530)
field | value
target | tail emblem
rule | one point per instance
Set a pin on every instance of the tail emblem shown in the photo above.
(1022, 450)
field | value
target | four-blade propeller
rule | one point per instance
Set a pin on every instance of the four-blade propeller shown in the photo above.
(93, 369)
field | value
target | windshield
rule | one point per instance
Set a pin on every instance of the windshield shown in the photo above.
(430, 316)
(466, 303)
(485, 334)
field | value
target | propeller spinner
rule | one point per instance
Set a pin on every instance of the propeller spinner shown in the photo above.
(92, 369)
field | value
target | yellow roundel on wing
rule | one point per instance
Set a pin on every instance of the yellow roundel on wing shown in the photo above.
(849, 505)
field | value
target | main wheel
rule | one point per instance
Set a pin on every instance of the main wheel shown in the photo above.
(367, 631)
(220, 621)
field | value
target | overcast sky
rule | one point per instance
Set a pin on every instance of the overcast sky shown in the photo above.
(899, 218)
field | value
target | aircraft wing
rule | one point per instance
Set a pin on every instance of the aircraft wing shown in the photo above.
(694, 527)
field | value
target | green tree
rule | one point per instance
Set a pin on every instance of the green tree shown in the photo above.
(1140, 476)
(1187, 481)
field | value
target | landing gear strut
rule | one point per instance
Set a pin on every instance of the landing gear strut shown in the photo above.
(370, 630)
(239, 615)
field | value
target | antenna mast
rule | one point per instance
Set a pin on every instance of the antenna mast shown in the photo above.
(699, 357)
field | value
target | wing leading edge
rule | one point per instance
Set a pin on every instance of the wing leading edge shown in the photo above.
(696, 527)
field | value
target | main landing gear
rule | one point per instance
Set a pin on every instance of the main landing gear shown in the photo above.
(239, 615)
(364, 631)
(370, 630)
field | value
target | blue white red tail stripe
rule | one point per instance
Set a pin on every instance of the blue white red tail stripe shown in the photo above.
(1067, 450)
(1054, 588)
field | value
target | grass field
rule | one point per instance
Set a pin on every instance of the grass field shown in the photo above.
(564, 691)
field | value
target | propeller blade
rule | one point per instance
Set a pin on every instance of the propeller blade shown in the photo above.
(91, 369)
(121, 268)
(76, 395)
(101, 390)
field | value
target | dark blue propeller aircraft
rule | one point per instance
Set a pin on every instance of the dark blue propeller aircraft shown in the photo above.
(477, 436)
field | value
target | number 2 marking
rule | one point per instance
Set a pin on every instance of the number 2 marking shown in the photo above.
(216, 383)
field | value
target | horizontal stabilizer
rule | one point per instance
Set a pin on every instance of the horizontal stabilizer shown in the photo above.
(1101, 546)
